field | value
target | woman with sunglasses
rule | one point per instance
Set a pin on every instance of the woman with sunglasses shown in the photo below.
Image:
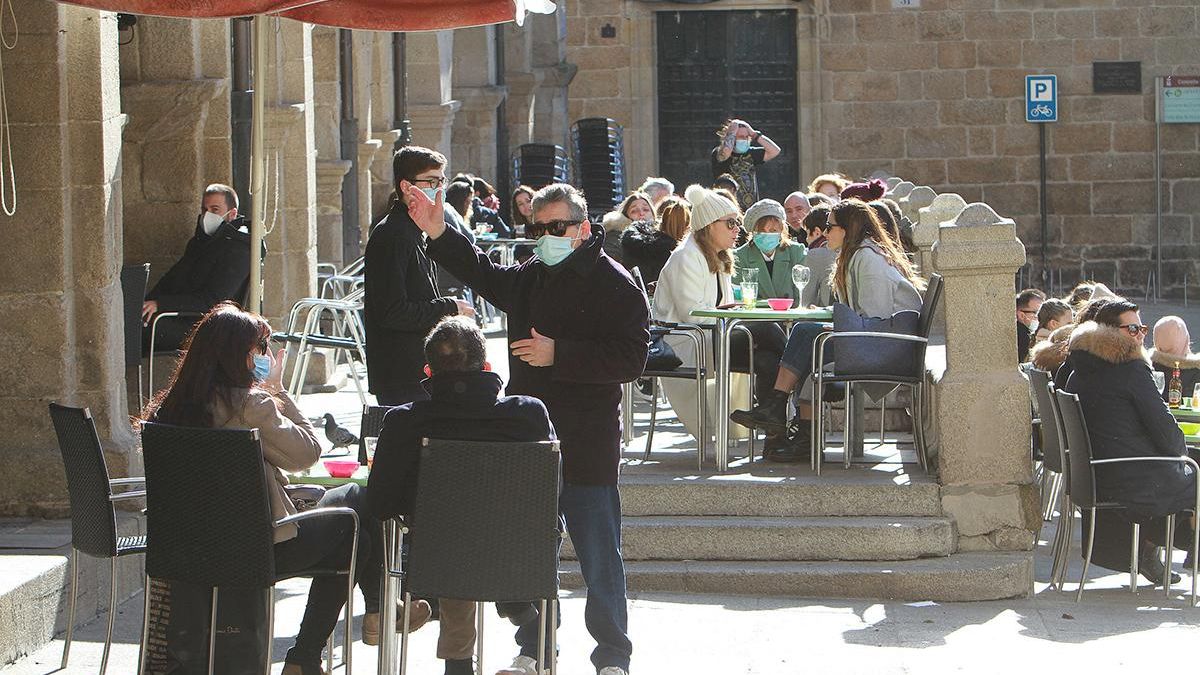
(1126, 417)
(696, 276)
(228, 378)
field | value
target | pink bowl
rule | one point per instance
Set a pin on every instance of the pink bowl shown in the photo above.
(780, 304)
(341, 468)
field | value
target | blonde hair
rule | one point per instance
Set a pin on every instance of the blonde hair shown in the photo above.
(674, 217)
(720, 260)
(633, 197)
(836, 179)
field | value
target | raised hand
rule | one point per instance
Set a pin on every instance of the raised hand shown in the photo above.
(428, 215)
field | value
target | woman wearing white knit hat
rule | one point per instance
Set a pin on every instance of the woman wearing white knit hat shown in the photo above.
(696, 276)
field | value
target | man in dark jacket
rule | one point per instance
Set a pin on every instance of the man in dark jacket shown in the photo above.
(402, 302)
(215, 266)
(464, 404)
(578, 329)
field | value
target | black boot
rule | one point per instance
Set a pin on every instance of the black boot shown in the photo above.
(769, 415)
(799, 444)
(460, 667)
(1151, 567)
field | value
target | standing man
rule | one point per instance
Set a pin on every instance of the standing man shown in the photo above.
(796, 207)
(740, 152)
(578, 329)
(402, 303)
(1029, 301)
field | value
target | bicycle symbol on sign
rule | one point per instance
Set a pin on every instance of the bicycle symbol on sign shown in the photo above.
(1041, 111)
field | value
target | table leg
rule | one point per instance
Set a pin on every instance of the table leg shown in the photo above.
(387, 605)
(722, 367)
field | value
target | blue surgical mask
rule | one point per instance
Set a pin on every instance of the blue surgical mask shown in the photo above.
(262, 367)
(552, 250)
(767, 241)
(432, 193)
(741, 145)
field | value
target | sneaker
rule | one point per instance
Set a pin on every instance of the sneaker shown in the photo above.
(418, 617)
(522, 665)
(612, 670)
(770, 415)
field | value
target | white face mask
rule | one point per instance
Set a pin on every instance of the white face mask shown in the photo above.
(212, 222)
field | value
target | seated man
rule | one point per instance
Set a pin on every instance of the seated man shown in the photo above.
(465, 404)
(1173, 349)
(215, 266)
(1029, 301)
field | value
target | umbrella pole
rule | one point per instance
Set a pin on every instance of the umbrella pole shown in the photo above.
(258, 169)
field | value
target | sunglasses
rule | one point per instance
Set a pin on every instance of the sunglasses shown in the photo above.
(1136, 328)
(554, 228)
(731, 223)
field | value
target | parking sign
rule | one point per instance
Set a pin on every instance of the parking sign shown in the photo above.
(1041, 98)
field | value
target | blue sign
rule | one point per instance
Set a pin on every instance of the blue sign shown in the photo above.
(1041, 98)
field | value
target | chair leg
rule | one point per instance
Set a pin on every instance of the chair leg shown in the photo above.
(112, 612)
(918, 425)
(329, 645)
(404, 634)
(142, 647)
(1067, 523)
(71, 606)
(1133, 557)
(653, 416)
(1168, 550)
(541, 653)
(883, 420)
(1087, 554)
(141, 395)
(212, 633)
(479, 613)
(553, 638)
(270, 627)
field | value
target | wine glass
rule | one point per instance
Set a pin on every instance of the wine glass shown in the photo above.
(1160, 380)
(801, 275)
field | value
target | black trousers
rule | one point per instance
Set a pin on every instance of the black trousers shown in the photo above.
(769, 341)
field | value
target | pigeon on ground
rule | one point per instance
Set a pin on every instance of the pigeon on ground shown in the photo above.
(341, 437)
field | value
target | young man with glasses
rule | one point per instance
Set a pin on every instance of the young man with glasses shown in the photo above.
(1029, 301)
(402, 302)
(577, 329)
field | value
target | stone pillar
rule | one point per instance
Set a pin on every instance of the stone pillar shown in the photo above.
(61, 259)
(944, 207)
(919, 198)
(383, 114)
(982, 404)
(430, 104)
(330, 173)
(370, 144)
(474, 79)
(548, 50)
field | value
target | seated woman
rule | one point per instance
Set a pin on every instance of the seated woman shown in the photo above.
(1052, 314)
(871, 275)
(228, 378)
(1173, 345)
(635, 208)
(647, 244)
(1126, 417)
(771, 251)
(697, 275)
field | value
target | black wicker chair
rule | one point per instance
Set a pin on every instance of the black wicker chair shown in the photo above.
(479, 541)
(93, 518)
(372, 424)
(133, 291)
(215, 533)
(1082, 494)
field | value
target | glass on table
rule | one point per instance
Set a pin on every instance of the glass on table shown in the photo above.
(369, 443)
(1196, 397)
(1160, 380)
(749, 293)
(801, 275)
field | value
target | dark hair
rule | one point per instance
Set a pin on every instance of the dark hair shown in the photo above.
(868, 192)
(1028, 295)
(212, 368)
(1081, 293)
(412, 160)
(482, 187)
(725, 179)
(817, 218)
(1090, 310)
(458, 195)
(231, 197)
(820, 199)
(890, 223)
(861, 223)
(1052, 309)
(517, 218)
(455, 345)
(1110, 313)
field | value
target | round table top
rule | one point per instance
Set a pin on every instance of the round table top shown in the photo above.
(766, 314)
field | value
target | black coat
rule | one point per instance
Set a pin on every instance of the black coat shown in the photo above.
(462, 406)
(212, 269)
(400, 307)
(1126, 417)
(598, 319)
(646, 248)
(482, 214)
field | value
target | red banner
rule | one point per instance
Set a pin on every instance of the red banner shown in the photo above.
(1181, 81)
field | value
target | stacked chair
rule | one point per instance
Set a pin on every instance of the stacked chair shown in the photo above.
(540, 164)
(599, 152)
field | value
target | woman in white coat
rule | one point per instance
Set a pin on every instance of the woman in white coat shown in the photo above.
(697, 276)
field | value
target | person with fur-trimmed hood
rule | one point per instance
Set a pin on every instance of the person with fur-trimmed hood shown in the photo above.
(637, 207)
(1050, 353)
(1127, 418)
(1173, 345)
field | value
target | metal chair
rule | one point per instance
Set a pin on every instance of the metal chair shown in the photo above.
(220, 532)
(914, 379)
(133, 292)
(1040, 383)
(1083, 495)
(93, 517)
(346, 337)
(1055, 460)
(476, 542)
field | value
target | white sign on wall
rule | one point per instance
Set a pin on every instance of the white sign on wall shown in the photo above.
(906, 4)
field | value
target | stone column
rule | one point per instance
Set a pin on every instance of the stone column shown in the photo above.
(61, 259)
(330, 173)
(430, 104)
(548, 50)
(944, 207)
(982, 404)
(383, 114)
(474, 79)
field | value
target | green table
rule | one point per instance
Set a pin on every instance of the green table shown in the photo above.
(318, 476)
(765, 314)
(1186, 414)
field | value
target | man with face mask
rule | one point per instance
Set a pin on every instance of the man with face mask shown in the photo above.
(578, 329)
(739, 153)
(402, 301)
(215, 266)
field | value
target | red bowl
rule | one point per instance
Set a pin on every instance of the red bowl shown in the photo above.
(780, 304)
(341, 468)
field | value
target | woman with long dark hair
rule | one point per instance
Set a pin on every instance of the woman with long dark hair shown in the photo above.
(228, 378)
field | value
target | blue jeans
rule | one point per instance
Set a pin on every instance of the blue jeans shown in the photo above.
(798, 353)
(593, 516)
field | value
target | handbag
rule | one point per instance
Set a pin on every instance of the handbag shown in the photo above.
(875, 356)
(660, 355)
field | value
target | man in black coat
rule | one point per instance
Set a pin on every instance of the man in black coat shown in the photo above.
(464, 404)
(215, 267)
(578, 329)
(402, 302)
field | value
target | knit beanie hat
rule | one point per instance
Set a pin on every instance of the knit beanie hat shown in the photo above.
(708, 206)
(761, 209)
(868, 192)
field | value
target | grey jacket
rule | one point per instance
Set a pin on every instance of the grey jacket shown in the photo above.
(875, 288)
(818, 291)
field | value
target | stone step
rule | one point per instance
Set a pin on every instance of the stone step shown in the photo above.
(783, 538)
(960, 577)
(832, 494)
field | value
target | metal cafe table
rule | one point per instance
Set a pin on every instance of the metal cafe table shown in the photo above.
(726, 320)
(1188, 416)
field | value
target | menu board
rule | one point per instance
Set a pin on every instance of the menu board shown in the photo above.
(1181, 99)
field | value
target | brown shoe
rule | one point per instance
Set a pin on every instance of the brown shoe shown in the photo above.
(419, 616)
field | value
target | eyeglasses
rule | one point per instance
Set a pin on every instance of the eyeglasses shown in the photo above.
(554, 228)
(732, 223)
(1136, 328)
(1027, 311)
(435, 182)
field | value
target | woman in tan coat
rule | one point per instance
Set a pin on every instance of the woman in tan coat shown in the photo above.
(228, 378)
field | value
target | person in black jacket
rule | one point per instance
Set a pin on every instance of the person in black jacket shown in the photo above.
(647, 248)
(215, 267)
(464, 404)
(578, 329)
(1126, 418)
(402, 303)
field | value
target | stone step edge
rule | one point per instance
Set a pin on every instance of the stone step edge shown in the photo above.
(646, 497)
(961, 577)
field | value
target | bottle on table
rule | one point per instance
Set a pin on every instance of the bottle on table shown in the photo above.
(1175, 388)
